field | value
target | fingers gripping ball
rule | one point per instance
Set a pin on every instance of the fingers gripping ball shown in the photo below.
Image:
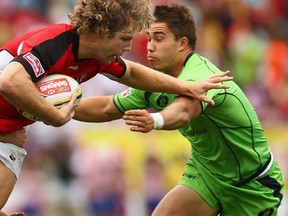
(57, 89)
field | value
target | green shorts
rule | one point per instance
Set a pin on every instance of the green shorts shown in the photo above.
(260, 197)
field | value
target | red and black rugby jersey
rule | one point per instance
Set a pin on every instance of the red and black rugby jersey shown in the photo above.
(50, 50)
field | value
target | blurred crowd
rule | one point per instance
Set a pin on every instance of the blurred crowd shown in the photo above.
(62, 176)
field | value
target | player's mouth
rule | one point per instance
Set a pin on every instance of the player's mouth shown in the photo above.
(151, 58)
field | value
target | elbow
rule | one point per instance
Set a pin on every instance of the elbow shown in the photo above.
(185, 116)
(184, 119)
(56, 122)
(6, 86)
(9, 82)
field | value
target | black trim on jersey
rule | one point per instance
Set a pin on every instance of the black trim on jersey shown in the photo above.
(50, 51)
(27, 66)
(257, 173)
(273, 184)
(121, 62)
(75, 48)
(147, 96)
(114, 98)
(241, 181)
(187, 58)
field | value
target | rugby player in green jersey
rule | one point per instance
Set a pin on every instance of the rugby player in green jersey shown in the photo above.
(231, 170)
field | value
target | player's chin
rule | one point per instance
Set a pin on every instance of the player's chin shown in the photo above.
(108, 60)
(154, 65)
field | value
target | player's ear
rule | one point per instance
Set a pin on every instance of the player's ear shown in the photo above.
(184, 43)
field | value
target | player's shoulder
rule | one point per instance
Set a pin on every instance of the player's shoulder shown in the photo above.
(194, 59)
(58, 28)
(40, 34)
(198, 65)
(52, 29)
(63, 26)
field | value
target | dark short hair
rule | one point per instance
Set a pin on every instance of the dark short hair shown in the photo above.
(179, 20)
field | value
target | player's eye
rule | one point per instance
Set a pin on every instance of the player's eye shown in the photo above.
(126, 39)
(159, 38)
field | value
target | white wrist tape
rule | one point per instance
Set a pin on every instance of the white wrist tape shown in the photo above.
(158, 120)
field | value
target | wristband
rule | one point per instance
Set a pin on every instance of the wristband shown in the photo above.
(158, 120)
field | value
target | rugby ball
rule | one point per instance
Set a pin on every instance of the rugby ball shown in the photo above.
(57, 89)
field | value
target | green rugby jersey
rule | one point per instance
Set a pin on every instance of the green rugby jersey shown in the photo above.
(227, 139)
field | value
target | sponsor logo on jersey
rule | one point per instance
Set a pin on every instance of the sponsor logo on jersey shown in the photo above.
(55, 86)
(194, 133)
(12, 157)
(188, 176)
(267, 212)
(72, 67)
(35, 64)
(126, 93)
(162, 101)
(81, 78)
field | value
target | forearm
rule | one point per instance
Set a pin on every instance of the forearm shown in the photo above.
(141, 77)
(174, 122)
(180, 113)
(176, 115)
(17, 88)
(97, 109)
(144, 78)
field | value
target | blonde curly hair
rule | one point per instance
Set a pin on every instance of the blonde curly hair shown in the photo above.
(110, 16)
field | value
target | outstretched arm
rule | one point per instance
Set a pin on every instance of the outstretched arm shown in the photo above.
(179, 113)
(97, 109)
(103, 109)
(141, 77)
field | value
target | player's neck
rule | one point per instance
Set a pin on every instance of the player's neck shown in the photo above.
(88, 44)
(178, 65)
